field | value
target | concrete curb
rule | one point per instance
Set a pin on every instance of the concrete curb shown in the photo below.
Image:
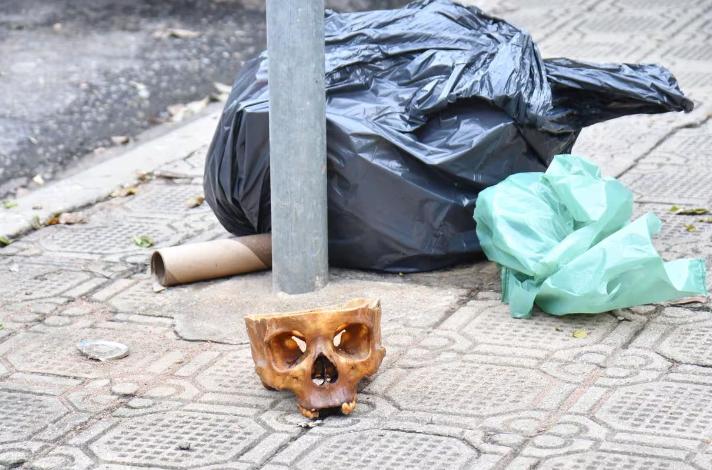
(97, 182)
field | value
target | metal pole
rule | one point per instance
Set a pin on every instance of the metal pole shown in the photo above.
(297, 139)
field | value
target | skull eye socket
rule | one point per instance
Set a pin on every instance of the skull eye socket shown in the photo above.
(287, 349)
(353, 340)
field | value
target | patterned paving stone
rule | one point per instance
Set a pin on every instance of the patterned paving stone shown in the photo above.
(385, 449)
(667, 408)
(177, 439)
(165, 200)
(23, 414)
(39, 281)
(598, 460)
(491, 323)
(670, 184)
(616, 145)
(630, 23)
(685, 147)
(56, 352)
(466, 388)
(233, 373)
(105, 237)
(691, 344)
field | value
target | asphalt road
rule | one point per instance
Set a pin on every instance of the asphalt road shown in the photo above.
(74, 73)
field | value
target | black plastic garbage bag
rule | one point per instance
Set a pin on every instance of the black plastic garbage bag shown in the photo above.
(426, 106)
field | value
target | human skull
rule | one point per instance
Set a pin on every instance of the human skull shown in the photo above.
(320, 355)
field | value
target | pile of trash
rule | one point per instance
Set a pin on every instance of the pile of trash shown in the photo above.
(564, 241)
(427, 105)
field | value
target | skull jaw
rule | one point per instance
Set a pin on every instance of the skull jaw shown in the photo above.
(312, 398)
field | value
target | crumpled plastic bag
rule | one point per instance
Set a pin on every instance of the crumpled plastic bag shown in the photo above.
(426, 105)
(565, 242)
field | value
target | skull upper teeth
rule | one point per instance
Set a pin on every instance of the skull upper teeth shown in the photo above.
(347, 408)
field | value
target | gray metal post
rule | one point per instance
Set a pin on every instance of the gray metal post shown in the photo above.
(297, 138)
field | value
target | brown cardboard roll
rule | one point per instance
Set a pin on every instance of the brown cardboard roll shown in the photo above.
(209, 260)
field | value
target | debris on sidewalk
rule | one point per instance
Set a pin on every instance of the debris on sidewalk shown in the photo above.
(418, 124)
(310, 424)
(181, 111)
(320, 355)
(178, 33)
(210, 260)
(144, 241)
(67, 218)
(9, 203)
(102, 350)
(580, 333)
(120, 139)
(4, 241)
(125, 191)
(565, 242)
(195, 201)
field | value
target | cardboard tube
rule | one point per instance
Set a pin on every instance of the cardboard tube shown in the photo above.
(210, 260)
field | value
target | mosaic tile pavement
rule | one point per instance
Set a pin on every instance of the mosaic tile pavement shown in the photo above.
(463, 385)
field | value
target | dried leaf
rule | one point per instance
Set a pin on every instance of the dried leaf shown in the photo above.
(36, 223)
(579, 333)
(179, 33)
(695, 211)
(120, 139)
(125, 191)
(222, 93)
(195, 201)
(141, 89)
(4, 241)
(690, 228)
(144, 241)
(9, 203)
(68, 218)
(674, 209)
(222, 88)
(144, 176)
(38, 179)
(181, 111)
(689, 300)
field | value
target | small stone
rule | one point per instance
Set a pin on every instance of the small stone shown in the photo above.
(160, 392)
(102, 350)
(125, 388)
(43, 308)
(73, 312)
(55, 320)
(184, 446)
(13, 458)
(51, 463)
(98, 383)
(549, 442)
(25, 318)
(138, 403)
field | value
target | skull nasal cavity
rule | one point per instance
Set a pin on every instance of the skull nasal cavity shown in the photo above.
(324, 371)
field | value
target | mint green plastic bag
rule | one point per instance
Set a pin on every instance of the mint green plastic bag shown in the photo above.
(565, 242)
